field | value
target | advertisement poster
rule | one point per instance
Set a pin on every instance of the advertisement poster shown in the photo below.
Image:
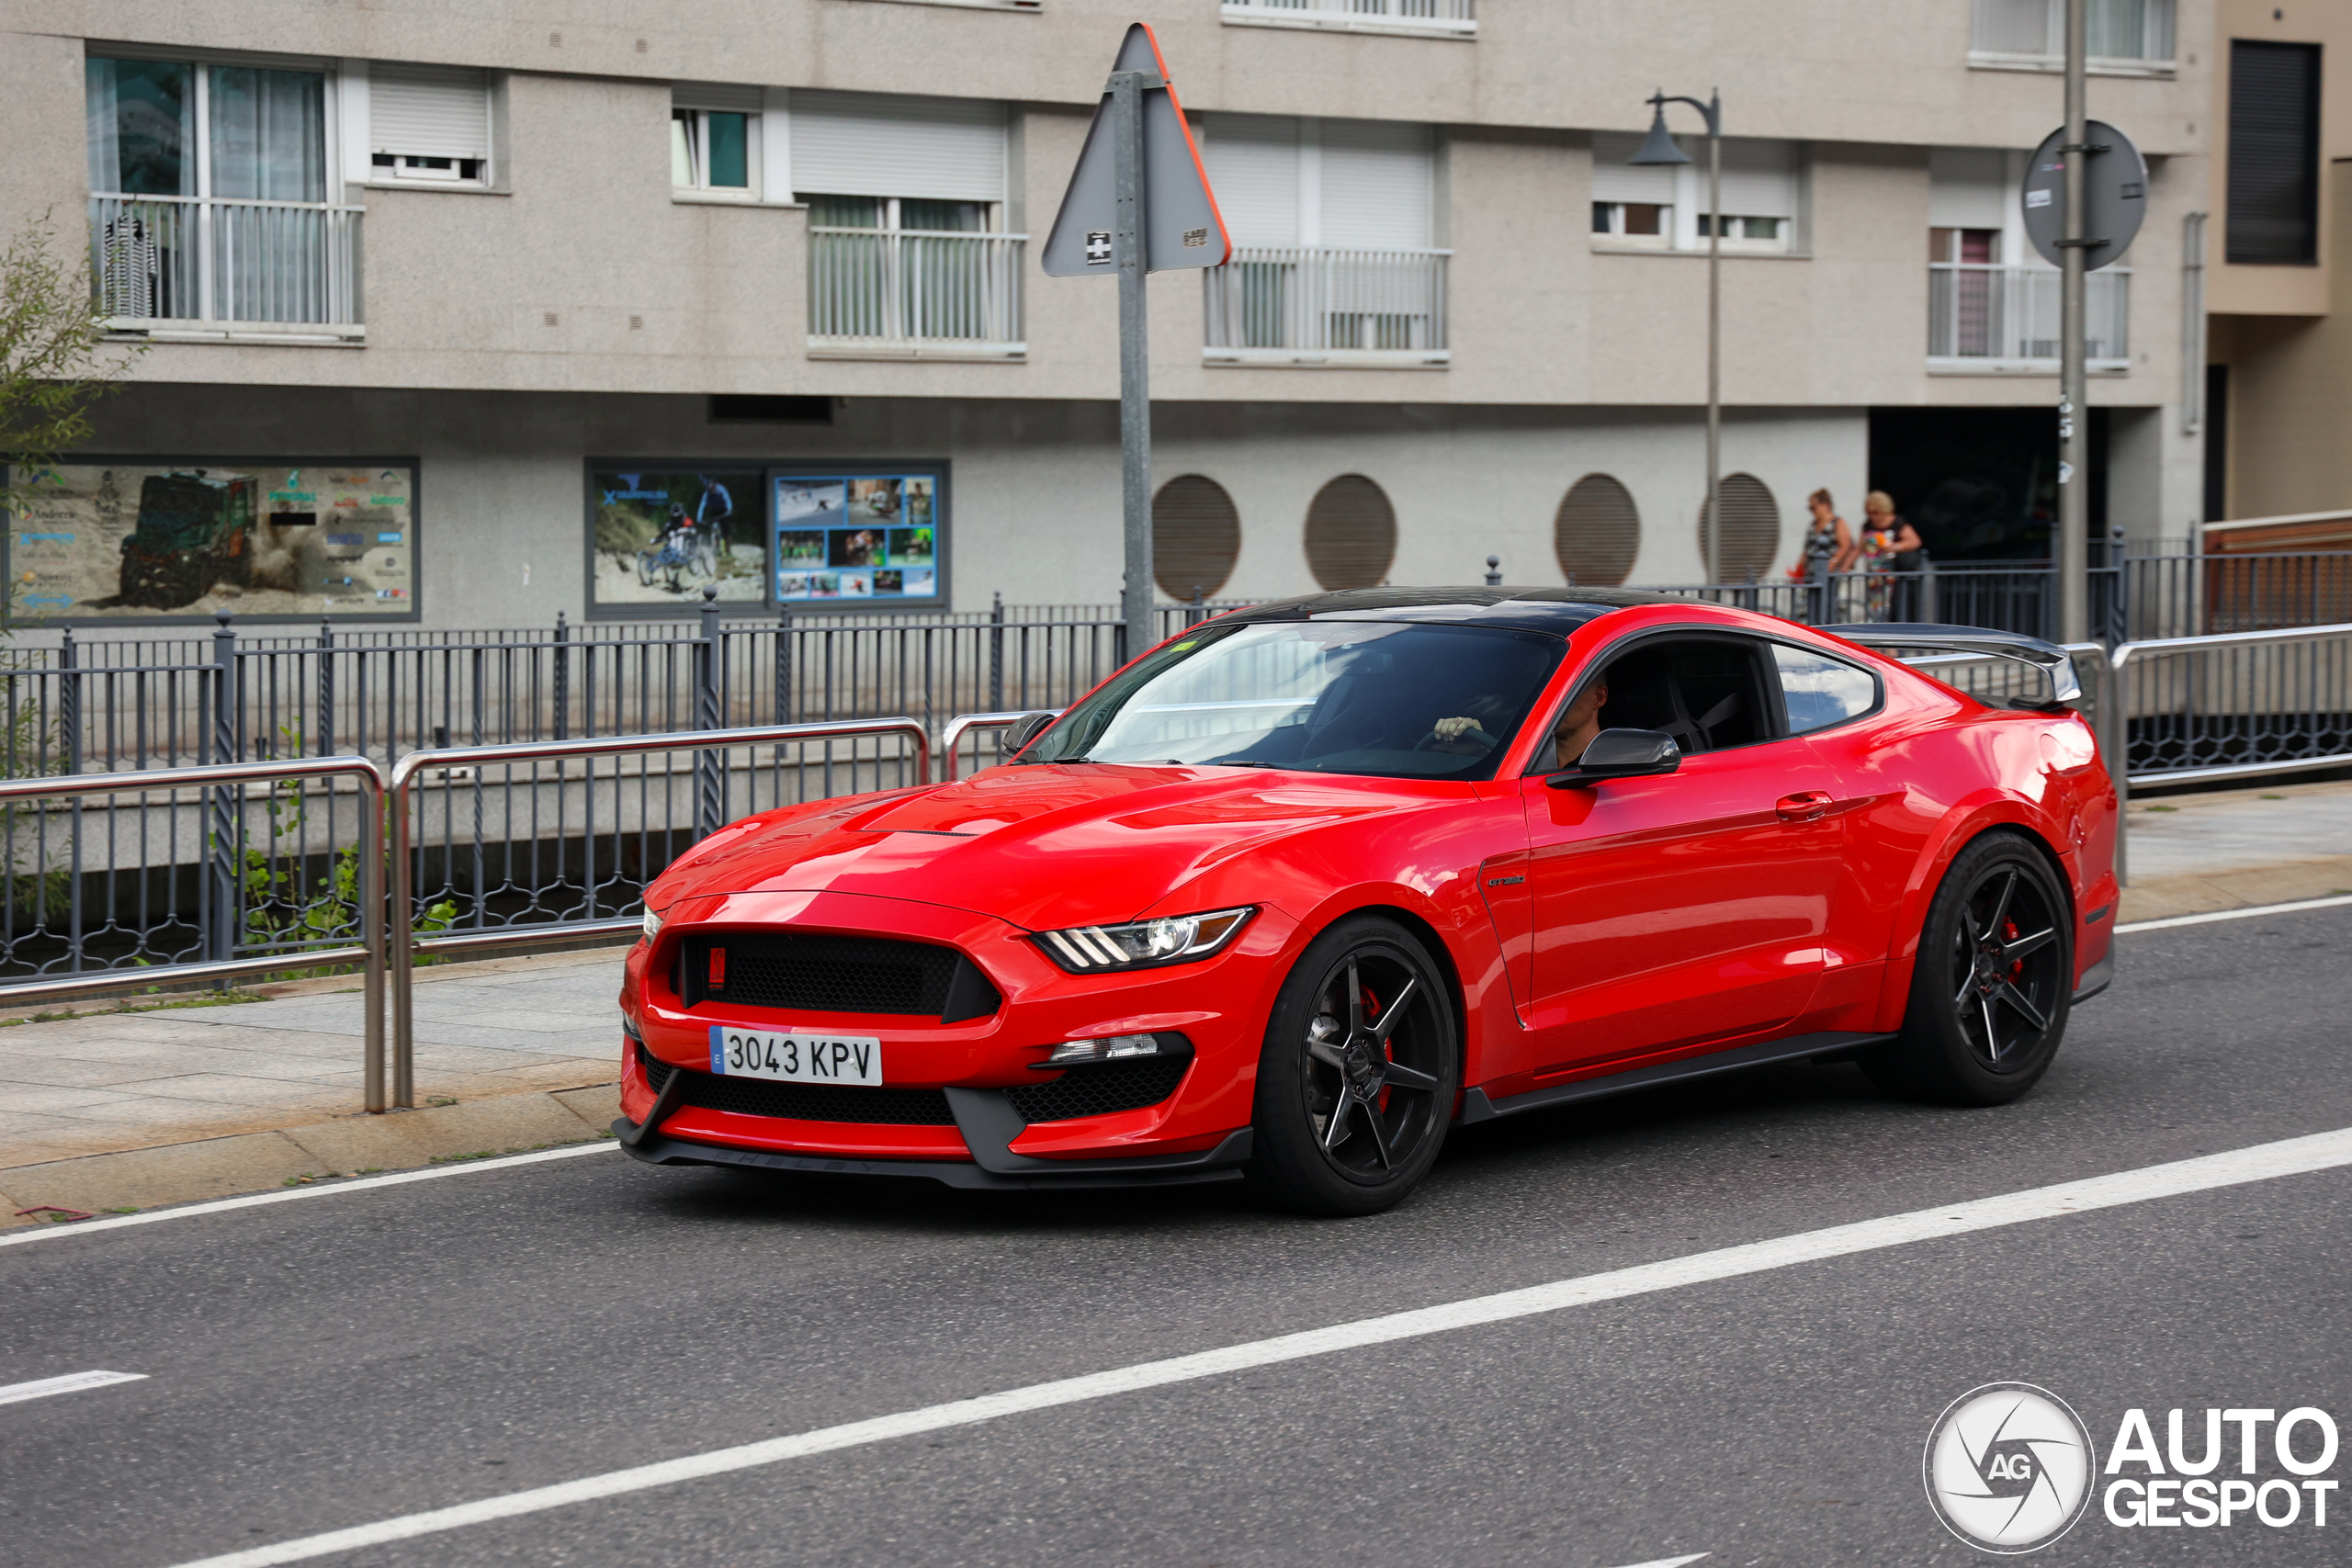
(659, 537)
(849, 540)
(144, 539)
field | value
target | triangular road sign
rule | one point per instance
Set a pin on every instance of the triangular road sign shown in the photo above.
(1181, 224)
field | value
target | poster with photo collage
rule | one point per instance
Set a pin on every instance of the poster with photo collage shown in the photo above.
(847, 540)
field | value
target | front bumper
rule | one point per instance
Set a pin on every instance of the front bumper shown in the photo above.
(975, 1076)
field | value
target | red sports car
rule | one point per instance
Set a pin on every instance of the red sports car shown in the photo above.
(1288, 897)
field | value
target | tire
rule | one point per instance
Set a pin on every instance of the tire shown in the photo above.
(1353, 1105)
(1993, 985)
(645, 568)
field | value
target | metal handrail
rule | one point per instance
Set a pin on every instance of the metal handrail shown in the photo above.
(964, 723)
(402, 953)
(370, 951)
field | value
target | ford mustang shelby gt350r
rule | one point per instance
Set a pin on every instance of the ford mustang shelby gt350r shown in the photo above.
(1298, 889)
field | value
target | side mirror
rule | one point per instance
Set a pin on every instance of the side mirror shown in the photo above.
(1025, 729)
(1621, 754)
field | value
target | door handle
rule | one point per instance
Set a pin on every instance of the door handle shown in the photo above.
(1806, 805)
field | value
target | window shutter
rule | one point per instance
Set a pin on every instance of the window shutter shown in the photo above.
(1378, 183)
(1760, 179)
(886, 145)
(1597, 532)
(1750, 526)
(1253, 168)
(717, 95)
(1968, 188)
(1350, 534)
(2274, 153)
(428, 111)
(1613, 179)
(1196, 536)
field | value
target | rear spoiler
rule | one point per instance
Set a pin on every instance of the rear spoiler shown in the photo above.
(1946, 645)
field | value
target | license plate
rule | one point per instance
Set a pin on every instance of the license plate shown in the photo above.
(795, 1058)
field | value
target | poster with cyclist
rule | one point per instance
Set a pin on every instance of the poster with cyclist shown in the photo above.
(661, 536)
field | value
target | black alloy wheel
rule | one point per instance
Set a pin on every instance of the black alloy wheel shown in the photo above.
(1357, 1081)
(1990, 994)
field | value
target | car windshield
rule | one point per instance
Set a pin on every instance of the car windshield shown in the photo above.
(1389, 699)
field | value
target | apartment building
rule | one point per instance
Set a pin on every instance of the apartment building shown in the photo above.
(473, 315)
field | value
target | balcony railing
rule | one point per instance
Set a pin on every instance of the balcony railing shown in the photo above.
(1982, 316)
(1311, 304)
(213, 266)
(900, 293)
(1451, 18)
(2119, 36)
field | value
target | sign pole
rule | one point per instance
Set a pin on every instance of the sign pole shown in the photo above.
(1135, 356)
(2072, 554)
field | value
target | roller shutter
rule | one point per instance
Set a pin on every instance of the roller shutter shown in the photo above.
(1253, 168)
(1597, 532)
(1350, 534)
(2274, 153)
(428, 111)
(1378, 180)
(1196, 536)
(1760, 179)
(1613, 179)
(887, 145)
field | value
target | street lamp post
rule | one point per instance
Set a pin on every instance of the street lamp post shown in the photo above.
(1659, 148)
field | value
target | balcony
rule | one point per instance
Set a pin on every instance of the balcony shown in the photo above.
(215, 269)
(1440, 18)
(1323, 305)
(909, 293)
(1984, 318)
(2122, 38)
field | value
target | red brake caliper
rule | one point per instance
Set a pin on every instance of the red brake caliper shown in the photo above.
(2009, 933)
(1372, 1015)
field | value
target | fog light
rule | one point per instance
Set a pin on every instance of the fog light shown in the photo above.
(1114, 1048)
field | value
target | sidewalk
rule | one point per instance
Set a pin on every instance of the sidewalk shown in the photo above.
(116, 1109)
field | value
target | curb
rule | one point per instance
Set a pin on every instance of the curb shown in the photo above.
(2248, 887)
(253, 1162)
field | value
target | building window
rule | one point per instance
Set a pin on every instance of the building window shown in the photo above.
(428, 124)
(1455, 18)
(1750, 526)
(715, 152)
(909, 251)
(2121, 37)
(1350, 534)
(2274, 153)
(1597, 532)
(1660, 206)
(209, 209)
(1335, 257)
(1195, 537)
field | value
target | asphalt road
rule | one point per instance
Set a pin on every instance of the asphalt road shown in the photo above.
(331, 1362)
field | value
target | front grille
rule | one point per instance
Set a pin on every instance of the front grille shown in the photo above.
(805, 1102)
(818, 973)
(1100, 1089)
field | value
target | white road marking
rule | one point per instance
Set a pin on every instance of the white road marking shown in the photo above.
(221, 1205)
(72, 1382)
(2263, 1162)
(2237, 914)
(1669, 1561)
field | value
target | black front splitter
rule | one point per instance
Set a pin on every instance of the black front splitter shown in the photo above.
(1222, 1163)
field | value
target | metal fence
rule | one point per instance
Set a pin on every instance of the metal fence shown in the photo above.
(218, 261)
(872, 289)
(1310, 299)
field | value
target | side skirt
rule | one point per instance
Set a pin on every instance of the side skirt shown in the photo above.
(1477, 1108)
(2096, 978)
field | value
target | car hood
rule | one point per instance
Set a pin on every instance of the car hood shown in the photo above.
(1039, 845)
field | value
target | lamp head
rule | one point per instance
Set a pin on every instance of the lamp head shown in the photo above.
(1658, 147)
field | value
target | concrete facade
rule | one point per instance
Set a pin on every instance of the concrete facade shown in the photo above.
(580, 307)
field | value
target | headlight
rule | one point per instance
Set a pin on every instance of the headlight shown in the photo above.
(1146, 944)
(652, 925)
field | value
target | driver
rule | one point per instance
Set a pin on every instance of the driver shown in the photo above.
(676, 525)
(1463, 737)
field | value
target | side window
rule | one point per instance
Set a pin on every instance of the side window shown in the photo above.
(1709, 693)
(1821, 690)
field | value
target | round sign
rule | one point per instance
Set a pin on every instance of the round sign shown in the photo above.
(2115, 196)
(2009, 1468)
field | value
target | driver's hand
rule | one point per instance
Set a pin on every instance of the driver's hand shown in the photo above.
(1454, 729)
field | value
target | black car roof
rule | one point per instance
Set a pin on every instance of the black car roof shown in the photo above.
(1556, 610)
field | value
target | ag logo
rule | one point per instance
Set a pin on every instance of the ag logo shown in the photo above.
(2009, 1468)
